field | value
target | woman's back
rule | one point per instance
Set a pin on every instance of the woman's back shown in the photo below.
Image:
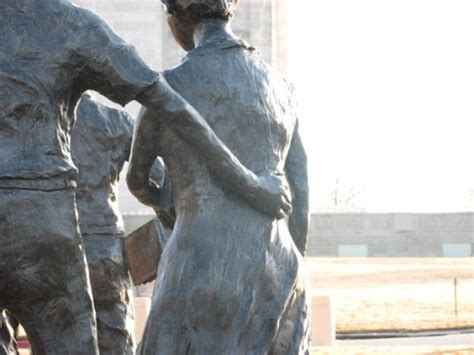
(227, 272)
(247, 104)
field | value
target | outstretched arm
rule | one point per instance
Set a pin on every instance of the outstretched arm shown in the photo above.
(105, 63)
(297, 174)
(269, 194)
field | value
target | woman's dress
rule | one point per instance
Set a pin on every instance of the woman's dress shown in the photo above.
(230, 279)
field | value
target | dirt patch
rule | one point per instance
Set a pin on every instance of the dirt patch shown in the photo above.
(396, 294)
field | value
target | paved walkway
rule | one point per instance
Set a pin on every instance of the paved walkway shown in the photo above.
(457, 344)
(449, 340)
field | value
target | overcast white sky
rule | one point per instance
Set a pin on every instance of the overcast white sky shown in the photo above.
(387, 100)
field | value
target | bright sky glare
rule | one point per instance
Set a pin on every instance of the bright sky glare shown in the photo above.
(387, 101)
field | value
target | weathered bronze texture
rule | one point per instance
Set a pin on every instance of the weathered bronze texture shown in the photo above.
(230, 278)
(50, 53)
(100, 146)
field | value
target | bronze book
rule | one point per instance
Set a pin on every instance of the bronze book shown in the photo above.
(143, 248)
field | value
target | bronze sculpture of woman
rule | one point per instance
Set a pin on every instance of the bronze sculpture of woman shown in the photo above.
(230, 278)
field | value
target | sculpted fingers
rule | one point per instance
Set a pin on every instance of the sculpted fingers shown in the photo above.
(284, 187)
(280, 209)
(274, 197)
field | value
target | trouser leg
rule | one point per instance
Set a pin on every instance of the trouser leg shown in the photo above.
(43, 275)
(59, 325)
(112, 293)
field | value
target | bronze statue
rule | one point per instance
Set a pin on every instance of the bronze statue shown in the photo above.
(50, 53)
(100, 145)
(230, 278)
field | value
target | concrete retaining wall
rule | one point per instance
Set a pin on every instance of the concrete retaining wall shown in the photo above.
(392, 234)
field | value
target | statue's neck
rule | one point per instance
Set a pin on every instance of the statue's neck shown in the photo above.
(212, 33)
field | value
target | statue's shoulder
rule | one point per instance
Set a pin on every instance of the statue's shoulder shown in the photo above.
(206, 59)
(76, 16)
(271, 75)
(180, 74)
(92, 105)
(93, 114)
